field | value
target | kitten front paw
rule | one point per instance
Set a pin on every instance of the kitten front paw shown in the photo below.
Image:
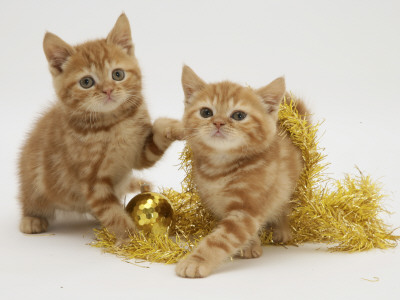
(123, 230)
(193, 267)
(252, 251)
(175, 133)
(121, 242)
(136, 184)
(169, 128)
(33, 225)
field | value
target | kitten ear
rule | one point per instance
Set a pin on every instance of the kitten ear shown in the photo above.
(121, 34)
(272, 94)
(190, 83)
(57, 52)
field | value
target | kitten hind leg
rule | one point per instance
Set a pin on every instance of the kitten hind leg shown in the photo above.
(33, 224)
(281, 230)
(35, 214)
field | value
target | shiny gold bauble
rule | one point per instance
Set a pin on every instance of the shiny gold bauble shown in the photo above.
(151, 212)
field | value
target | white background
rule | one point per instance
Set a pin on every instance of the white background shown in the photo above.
(342, 57)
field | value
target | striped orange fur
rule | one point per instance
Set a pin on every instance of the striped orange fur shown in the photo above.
(244, 170)
(81, 152)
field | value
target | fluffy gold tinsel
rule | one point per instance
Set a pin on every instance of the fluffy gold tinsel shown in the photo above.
(341, 213)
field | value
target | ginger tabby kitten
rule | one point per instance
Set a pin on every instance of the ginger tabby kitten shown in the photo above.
(80, 154)
(245, 172)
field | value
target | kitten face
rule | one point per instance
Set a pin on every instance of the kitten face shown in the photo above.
(96, 76)
(226, 121)
(228, 117)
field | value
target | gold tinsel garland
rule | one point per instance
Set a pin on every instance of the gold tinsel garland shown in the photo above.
(342, 213)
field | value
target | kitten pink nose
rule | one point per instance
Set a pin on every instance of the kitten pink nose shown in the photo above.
(108, 92)
(218, 124)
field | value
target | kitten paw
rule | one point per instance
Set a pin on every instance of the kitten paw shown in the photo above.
(136, 184)
(281, 235)
(193, 267)
(252, 251)
(123, 230)
(121, 242)
(170, 129)
(33, 225)
(174, 133)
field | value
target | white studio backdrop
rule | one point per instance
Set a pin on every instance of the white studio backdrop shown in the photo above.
(342, 57)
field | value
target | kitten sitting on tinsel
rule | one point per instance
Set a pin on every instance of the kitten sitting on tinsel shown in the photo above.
(341, 213)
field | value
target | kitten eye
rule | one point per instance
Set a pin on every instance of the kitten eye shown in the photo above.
(206, 112)
(86, 82)
(118, 74)
(238, 115)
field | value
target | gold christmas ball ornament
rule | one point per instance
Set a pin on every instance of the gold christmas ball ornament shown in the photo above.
(151, 212)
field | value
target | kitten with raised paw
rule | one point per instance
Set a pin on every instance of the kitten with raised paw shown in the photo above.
(81, 152)
(244, 170)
